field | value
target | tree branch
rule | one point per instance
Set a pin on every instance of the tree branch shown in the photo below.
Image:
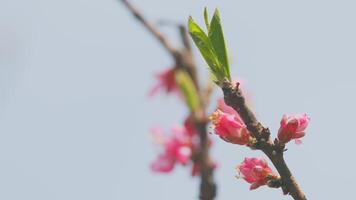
(184, 60)
(207, 184)
(234, 98)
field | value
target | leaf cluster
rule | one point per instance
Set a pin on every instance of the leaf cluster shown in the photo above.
(212, 45)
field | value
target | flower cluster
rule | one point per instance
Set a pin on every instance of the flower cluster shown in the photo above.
(229, 126)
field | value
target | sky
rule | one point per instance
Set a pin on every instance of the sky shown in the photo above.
(75, 116)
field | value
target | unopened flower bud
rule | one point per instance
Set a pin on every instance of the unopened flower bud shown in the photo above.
(255, 171)
(293, 127)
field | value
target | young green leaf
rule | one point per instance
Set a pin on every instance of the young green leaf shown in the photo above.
(188, 89)
(212, 45)
(205, 47)
(216, 36)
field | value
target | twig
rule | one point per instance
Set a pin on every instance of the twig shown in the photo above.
(185, 37)
(152, 29)
(234, 98)
(184, 60)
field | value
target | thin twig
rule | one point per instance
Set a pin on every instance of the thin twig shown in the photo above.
(184, 60)
(234, 98)
(151, 28)
(185, 37)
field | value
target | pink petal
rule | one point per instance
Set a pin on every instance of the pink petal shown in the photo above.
(225, 108)
(158, 135)
(154, 90)
(184, 154)
(163, 164)
(298, 141)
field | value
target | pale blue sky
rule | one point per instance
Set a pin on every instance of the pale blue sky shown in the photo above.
(74, 116)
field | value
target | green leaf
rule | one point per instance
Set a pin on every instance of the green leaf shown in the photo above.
(216, 37)
(188, 89)
(206, 19)
(206, 48)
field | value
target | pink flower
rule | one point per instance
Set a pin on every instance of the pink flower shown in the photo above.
(255, 171)
(166, 82)
(177, 149)
(229, 125)
(293, 127)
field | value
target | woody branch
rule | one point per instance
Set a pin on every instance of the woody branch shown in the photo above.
(274, 150)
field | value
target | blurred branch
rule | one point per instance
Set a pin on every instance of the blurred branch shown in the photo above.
(185, 37)
(184, 60)
(150, 27)
(183, 57)
(182, 30)
(207, 91)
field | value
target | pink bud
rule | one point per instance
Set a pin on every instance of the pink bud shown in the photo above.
(292, 127)
(166, 82)
(229, 125)
(255, 171)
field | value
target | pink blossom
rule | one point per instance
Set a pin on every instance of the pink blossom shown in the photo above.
(177, 149)
(255, 171)
(229, 125)
(293, 127)
(165, 81)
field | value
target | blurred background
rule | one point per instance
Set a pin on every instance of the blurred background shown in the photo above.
(74, 112)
